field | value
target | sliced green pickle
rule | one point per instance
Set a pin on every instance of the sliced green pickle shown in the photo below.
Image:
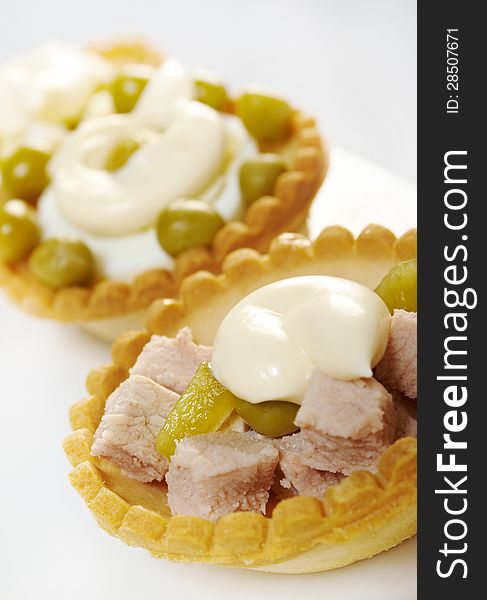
(211, 92)
(274, 418)
(186, 223)
(120, 153)
(24, 173)
(62, 262)
(258, 176)
(126, 90)
(202, 408)
(19, 230)
(398, 289)
(265, 117)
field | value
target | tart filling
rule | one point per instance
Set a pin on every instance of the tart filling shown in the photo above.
(309, 380)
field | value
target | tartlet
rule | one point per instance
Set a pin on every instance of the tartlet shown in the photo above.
(107, 303)
(358, 518)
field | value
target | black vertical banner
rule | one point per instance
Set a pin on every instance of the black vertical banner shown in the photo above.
(452, 198)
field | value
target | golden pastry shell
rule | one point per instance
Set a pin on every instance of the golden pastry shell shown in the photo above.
(362, 516)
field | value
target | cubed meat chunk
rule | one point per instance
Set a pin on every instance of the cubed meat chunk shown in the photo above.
(345, 425)
(398, 369)
(134, 415)
(298, 478)
(407, 425)
(171, 362)
(214, 474)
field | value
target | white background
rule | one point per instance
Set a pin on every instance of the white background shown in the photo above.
(350, 62)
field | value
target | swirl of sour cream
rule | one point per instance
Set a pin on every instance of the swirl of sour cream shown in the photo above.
(269, 344)
(183, 148)
(186, 150)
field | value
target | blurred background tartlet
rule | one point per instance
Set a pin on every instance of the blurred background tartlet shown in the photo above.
(122, 173)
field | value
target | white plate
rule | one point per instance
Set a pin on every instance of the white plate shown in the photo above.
(357, 192)
(51, 547)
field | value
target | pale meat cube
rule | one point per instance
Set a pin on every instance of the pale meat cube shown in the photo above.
(298, 478)
(345, 425)
(134, 415)
(398, 369)
(214, 474)
(171, 362)
(407, 425)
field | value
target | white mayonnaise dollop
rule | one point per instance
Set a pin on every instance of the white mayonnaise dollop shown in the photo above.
(269, 344)
(47, 85)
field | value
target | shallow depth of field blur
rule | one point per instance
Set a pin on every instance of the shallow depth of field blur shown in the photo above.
(351, 62)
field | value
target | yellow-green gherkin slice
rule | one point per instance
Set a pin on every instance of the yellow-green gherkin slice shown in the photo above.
(202, 408)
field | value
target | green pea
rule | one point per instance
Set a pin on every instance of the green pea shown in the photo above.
(258, 176)
(266, 118)
(24, 173)
(120, 153)
(186, 223)
(399, 287)
(19, 231)
(61, 263)
(212, 93)
(274, 418)
(126, 90)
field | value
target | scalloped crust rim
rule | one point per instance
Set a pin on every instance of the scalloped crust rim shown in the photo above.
(362, 516)
(204, 298)
(263, 221)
